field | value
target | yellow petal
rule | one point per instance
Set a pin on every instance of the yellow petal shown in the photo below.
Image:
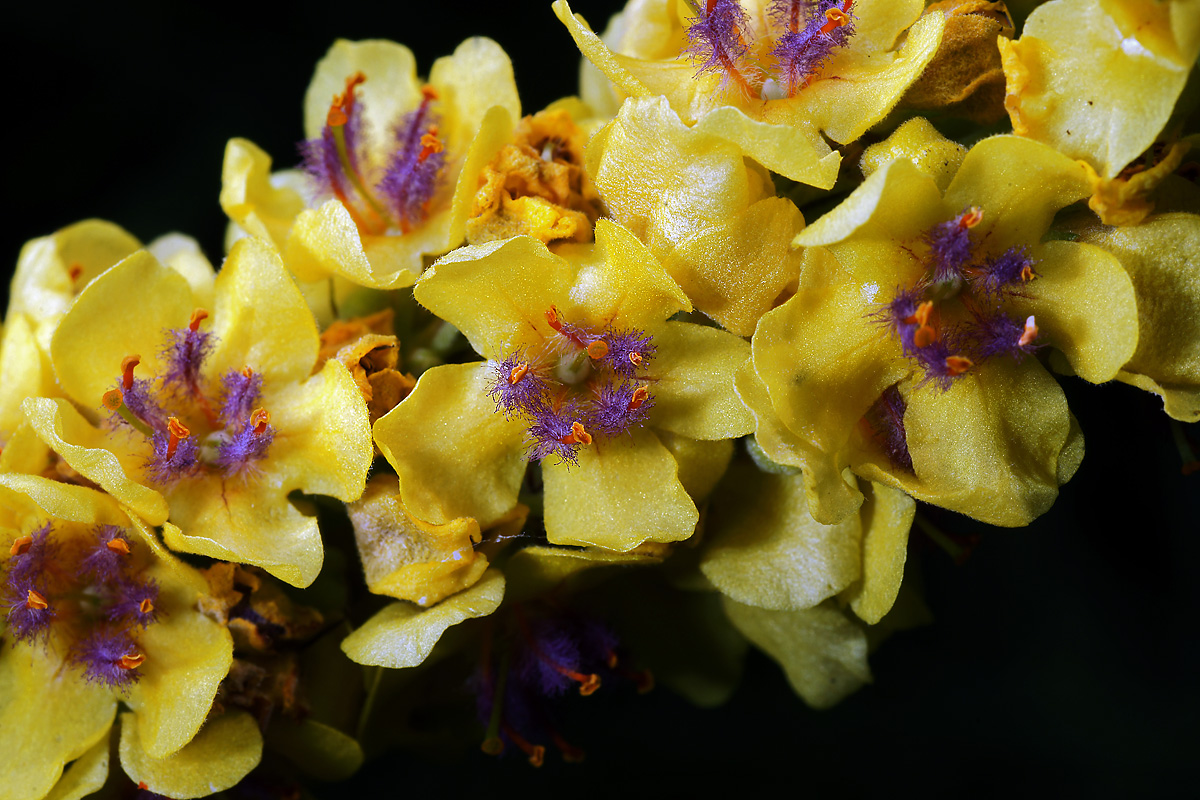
(498, 293)
(477, 77)
(49, 716)
(391, 88)
(250, 199)
(1084, 305)
(325, 241)
(317, 749)
(42, 286)
(795, 151)
(408, 559)
(763, 548)
(921, 143)
(456, 456)
(91, 341)
(87, 774)
(736, 271)
(1019, 184)
(701, 463)
(223, 752)
(624, 492)
(260, 318)
(823, 654)
(1170, 30)
(989, 447)
(403, 635)
(1076, 83)
(24, 371)
(1160, 257)
(693, 371)
(91, 452)
(887, 516)
(181, 253)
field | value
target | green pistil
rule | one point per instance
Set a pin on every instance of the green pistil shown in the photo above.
(493, 728)
(339, 138)
(138, 425)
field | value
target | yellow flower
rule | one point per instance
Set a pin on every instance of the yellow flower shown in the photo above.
(218, 419)
(710, 216)
(1099, 79)
(98, 613)
(904, 354)
(584, 370)
(394, 161)
(778, 121)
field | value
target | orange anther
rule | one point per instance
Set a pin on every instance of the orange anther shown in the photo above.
(20, 545)
(538, 756)
(428, 92)
(597, 350)
(339, 109)
(611, 661)
(590, 685)
(178, 432)
(1027, 273)
(146, 606)
(708, 9)
(517, 372)
(119, 545)
(639, 396)
(112, 399)
(198, 316)
(493, 745)
(127, 365)
(131, 661)
(35, 600)
(837, 17)
(552, 319)
(921, 315)
(143, 785)
(247, 372)
(260, 418)
(635, 358)
(971, 217)
(924, 336)
(578, 435)
(957, 365)
(1030, 333)
(74, 271)
(430, 143)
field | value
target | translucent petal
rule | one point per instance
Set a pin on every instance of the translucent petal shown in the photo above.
(315, 748)
(1076, 83)
(87, 774)
(477, 77)
(391, 88)
(823, 654)
(701, 463)
(223, 752)
(624, 492)
(24, 371)
(534, 571)
(763, 548)
(456, 456)
(403, 635)
(325, 241)
(692, 382)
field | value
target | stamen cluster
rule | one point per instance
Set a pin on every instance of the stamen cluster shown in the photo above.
(166, 409)
(383, 185)
(583, 385)
(959, 277)
(802, 36)
(90, 591)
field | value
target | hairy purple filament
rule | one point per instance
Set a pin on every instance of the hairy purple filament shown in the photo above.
(886, 419)
(412, 175)
(717, 42)
(801, 51)
(91, 591)
(565, 413)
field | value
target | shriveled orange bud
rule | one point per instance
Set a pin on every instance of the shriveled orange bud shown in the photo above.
(35, 600)
(20, 545)
(127, 365)
(957, 365)
(597, 349)
(198, 316)
(131, 661)
(119, 545)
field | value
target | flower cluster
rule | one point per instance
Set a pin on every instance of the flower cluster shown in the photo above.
(641, 379)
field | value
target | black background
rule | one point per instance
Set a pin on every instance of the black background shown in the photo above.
(1063, 655)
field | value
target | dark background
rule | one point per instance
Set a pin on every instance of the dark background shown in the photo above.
(1062, 656)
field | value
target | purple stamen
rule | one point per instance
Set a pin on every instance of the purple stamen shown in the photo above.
(801, 51)
(184, 354)
(628, 351)
(139, 399)
(895, 313)
(323, 163)
(886, 418)
(618, 408)
(934, 358)
(1006, 273)
(550, 429)
(950, 248)
(102, 561)
(166, 468)
(101, 654)
(717, 40)
(411, 179)
(130, 598)
(26, 622)
(996, 334)
(240, 393)
(551, 652)
(237, 454)
(524, 395)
